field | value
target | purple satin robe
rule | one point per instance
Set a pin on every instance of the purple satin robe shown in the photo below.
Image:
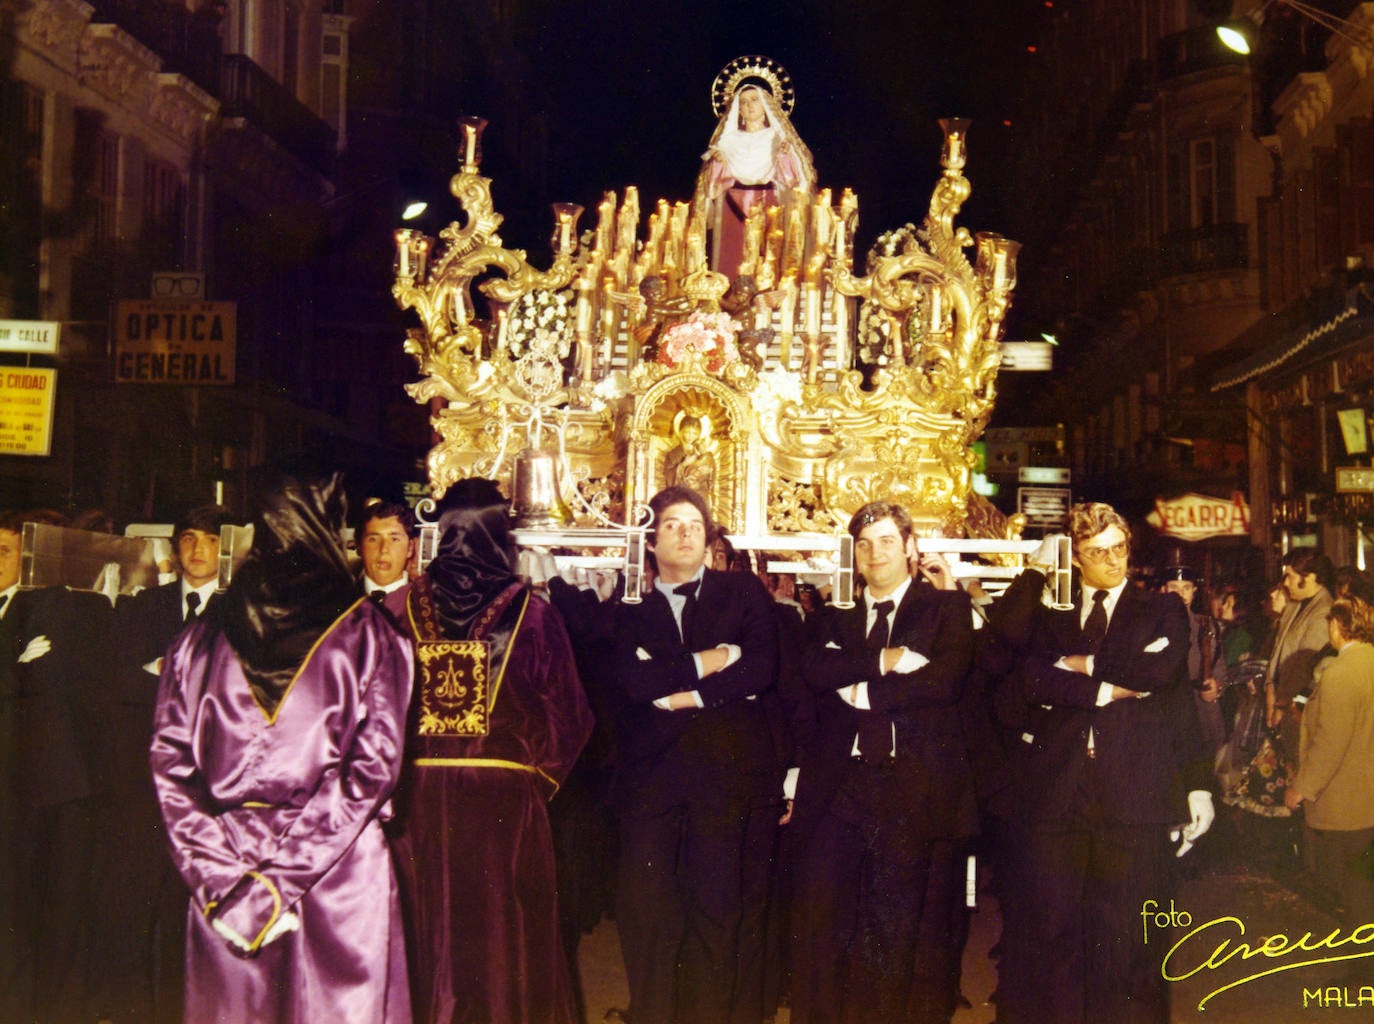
(282, 812)
(476, 851)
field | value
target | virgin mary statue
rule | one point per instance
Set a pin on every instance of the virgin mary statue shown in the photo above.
(755, 157)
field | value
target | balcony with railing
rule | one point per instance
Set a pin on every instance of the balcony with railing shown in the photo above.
(190, 44)
(249, 92)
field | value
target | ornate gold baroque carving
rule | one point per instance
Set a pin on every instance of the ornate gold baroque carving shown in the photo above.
(782, 444)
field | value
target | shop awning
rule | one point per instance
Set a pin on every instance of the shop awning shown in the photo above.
(1354, 321)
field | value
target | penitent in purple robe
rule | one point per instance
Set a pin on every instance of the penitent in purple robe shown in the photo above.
(476, 851)
(270, 813)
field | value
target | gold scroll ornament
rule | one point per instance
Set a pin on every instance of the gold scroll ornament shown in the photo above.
(454, 696)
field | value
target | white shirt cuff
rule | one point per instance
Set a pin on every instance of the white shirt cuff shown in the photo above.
(910, 661)
(789, 784)
(856, 696)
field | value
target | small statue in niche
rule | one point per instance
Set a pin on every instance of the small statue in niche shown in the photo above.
(692, 461)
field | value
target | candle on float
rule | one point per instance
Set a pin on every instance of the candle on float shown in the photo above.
(788, 316)
(608, 318)
(501, 331)
(421, 257)
(839, 311)
(937, 308)
(811, 307)
(403, 236)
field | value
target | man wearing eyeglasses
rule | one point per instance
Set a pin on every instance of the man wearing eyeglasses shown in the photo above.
(1113, 775)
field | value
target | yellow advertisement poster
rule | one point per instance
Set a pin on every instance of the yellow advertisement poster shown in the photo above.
(27, 399)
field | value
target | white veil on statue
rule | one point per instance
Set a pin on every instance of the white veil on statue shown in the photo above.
(742, 169)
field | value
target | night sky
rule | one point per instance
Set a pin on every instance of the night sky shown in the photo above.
(628, 93)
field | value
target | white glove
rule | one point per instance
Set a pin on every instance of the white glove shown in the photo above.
(162, 554)
(537, 566)
(287, 922)
(1044, 555)
(108, 583)
(603, 582)
(1203, 814)
(37, 647)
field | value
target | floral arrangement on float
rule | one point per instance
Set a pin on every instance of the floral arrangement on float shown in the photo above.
(709, 335)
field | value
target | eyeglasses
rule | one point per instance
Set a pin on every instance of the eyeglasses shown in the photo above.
(1099, 555)
(185, 285)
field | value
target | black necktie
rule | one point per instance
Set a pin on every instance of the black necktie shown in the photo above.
(875, 731)
(192, 603)
(1095, 628)
(377, 597)
(689, 609)
(877, 636)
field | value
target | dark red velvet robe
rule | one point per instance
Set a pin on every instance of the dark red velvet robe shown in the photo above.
(475, 852)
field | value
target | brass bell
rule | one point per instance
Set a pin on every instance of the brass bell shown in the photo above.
(536, 501)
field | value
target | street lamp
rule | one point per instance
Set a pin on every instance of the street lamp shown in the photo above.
(1238, 35)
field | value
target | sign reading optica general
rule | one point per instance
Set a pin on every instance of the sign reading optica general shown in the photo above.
(27, 399)
(1199, 516)
(171, 342)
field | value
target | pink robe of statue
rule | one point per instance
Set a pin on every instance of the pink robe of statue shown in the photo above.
(275, 813)
(476, 851)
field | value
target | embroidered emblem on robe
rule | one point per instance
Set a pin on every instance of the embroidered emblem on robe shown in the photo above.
(453, 682)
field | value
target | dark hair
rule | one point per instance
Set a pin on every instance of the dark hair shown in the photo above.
(875, 511)
(381, 508)
(678, 496)
(205, 518)
(1308, 560)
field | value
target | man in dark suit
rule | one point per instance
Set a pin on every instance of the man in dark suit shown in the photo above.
(699, 787)
(139, 941)
(52, 678)
(386, 544)
(1112, 763)
(885, 793)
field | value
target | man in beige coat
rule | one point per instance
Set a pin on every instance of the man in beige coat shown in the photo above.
(1307, 577)
(1335, 780)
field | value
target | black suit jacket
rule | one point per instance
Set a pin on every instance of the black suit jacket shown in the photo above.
(51, 706)
(726, 746)
(1146, 749)
(932, 756)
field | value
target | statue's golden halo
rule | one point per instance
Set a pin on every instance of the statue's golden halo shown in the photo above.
(763, 69)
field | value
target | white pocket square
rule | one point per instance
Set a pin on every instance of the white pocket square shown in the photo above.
(1155, 646)
(643, 655)
(831, 645)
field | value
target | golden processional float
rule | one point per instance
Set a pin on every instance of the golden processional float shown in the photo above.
(729, 346)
